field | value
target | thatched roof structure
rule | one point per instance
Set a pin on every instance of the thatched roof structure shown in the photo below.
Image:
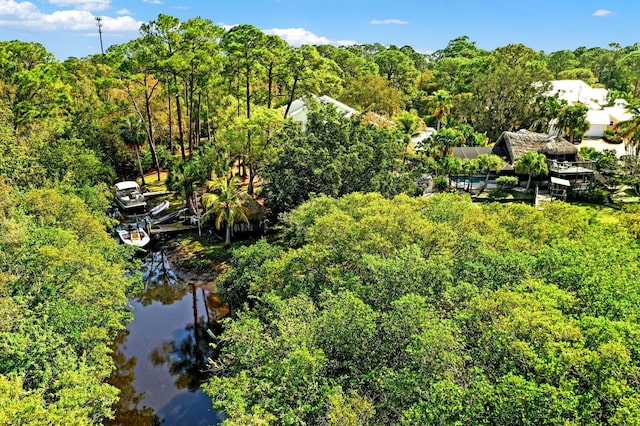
(512, 145)
(557, 147)
(256, 212)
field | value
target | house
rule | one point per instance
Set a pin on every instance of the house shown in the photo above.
(574, 91)
(599, 116)
(563, 160)
(298, 111)
(513, 145)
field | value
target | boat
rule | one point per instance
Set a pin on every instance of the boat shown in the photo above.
(159, 208)
(134, 234)
(167, 218)
(129, 196)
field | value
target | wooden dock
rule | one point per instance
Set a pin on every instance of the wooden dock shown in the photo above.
(157, 194)
(172, 228)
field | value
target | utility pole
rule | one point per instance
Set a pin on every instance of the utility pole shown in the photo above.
(99, 23)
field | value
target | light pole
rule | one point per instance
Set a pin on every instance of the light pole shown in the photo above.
(99, 23)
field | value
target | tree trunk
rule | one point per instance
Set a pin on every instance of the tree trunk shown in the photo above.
(529, 182)
(135, 148)
(188, 93)
(250, 186)
(170, 123)
(227, 238)
(270, 86)
(291, 96)
(179, 111)
(152, 144)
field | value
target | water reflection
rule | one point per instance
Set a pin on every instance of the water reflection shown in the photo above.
(161, 357)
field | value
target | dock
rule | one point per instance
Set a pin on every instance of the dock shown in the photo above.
(172, 228)
(157, 194)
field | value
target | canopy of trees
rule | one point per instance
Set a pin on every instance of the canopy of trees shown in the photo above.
(421, 311)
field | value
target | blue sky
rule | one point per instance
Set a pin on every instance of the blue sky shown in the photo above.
(68, 28)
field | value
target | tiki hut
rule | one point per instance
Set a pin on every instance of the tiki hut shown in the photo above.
(512, 145)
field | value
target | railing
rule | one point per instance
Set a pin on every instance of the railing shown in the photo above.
(571, 166)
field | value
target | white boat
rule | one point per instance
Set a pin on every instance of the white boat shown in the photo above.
(134, 235)
(159, 208)
(129, 196)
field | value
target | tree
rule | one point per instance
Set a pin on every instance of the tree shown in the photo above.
(547, 110)
(225, 204)
(133, 134)
(182, 178)
(408, 123)
(533, 164)
(445, 140)
(372, 93)
(630, 129)
(490, 162)
(561, 60)
(470, 167)
(398, 68)
(441, 106)
(136, 64)
(572, 120)
(450, 166)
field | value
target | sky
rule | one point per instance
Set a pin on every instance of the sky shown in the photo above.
(69, 28)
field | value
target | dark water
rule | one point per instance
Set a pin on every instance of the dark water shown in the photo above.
(161, 357)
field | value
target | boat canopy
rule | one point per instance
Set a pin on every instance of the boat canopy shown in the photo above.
(128, 184)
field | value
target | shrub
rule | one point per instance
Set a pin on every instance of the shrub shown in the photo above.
(611, 136)
(504, 183)
(440, 183)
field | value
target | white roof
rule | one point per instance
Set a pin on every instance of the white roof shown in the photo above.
(574, 91)
(619, 113)
(596, 117)
(127, 184)
(298, 106)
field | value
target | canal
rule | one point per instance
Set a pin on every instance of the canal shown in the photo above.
(161, 357)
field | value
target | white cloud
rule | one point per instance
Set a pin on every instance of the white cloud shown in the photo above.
(27, 16)
(224, 26)
(388, 22)
(298, 36)
(152, 1)
(83, 4)
(602, 12)
(124, 12)
(346, 42)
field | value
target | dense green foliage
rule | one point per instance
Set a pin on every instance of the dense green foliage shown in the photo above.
(334, 155)
(435, 311)
(62, 276)
(373, 310)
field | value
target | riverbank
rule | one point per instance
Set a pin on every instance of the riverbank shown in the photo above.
(196, 260)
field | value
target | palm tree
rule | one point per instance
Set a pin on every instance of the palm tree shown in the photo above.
(182, 178)
(408, 123)
(547, 109)
(533, 164)
(450, 166)
(445, 140)
(226, 204)
(490, 162)
(442, 106)
(470, 168)
(572, 120)
(133, 134)
(630, 129)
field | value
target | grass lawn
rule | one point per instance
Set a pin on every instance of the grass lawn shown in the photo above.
(199, 255)
(152, 182)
